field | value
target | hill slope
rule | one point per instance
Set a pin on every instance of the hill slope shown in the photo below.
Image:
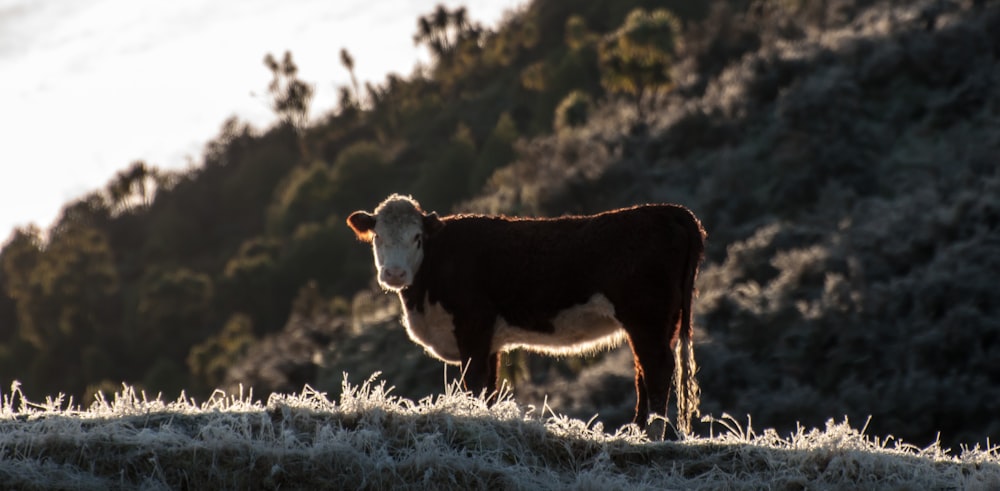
(370, 439)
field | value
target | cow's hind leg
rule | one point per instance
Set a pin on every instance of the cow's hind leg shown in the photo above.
(641, 395)
(652, 330)
(656, 362)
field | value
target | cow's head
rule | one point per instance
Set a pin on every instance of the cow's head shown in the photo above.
(397, 231)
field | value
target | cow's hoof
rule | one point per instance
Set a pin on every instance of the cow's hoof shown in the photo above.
(656, 428)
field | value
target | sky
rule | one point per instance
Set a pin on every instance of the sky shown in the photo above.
(88, 87)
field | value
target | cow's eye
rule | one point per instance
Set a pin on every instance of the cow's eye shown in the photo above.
(417, 239)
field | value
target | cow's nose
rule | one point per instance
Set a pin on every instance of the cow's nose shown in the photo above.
(394, 276)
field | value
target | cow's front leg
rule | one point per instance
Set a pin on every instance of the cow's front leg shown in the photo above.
(480, 374)
(480, 364)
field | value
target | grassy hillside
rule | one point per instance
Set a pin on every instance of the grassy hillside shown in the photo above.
(843, 156)
(370, 439)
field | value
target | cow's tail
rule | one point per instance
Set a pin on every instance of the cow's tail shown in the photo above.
(685, 385)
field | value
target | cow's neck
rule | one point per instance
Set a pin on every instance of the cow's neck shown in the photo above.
(413, 296)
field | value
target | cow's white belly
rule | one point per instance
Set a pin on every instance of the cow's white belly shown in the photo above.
(583, 328)
(434, 329)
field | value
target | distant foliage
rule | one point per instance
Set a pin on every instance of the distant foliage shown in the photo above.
(133, 188)
(447, 31)
(577, 34)
(361, 170)
(498, 150)
(210, 360)
(304, 196)
(442, 175)
(637, 58)
(251, 279)
(174, 311)
(880, 310)
(573, 111)
(352, 101)
(290, 97)
(62, 294)
(454, 41)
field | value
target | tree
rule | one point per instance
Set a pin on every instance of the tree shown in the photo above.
(322, 254)
(348, 103)
(577, 35)
(536, 76)
(304, 196)
(290, 97)
(174, 309)
(252, 283)
(65, 293)
(498, 150)
(348, 62)
(447, 32)
(8, 309)
(209, 360)
(19, 258)
(132, 188)
(361, 171)
(444, 178)
(573, 111)
(69, 286)
(554, 78)
(636, 58)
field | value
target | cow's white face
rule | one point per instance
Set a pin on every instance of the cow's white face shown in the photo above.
(398, 249)
(396, 230)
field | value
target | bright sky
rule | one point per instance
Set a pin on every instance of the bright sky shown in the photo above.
(88, 87)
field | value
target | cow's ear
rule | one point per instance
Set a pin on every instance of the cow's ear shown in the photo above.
(432, 223)
(363, 223)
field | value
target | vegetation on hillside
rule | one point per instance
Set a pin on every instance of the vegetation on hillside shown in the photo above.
(841, 154)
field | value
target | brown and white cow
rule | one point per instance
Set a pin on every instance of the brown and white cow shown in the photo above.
(474, 286)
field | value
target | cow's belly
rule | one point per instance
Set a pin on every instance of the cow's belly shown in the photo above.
(434, 329)
(583, 328)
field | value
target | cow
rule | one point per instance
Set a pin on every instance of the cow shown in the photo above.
(475, 286)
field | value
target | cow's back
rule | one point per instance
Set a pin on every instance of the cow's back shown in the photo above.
(529, 270)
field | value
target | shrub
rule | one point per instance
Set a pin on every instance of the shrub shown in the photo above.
(573, 111)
